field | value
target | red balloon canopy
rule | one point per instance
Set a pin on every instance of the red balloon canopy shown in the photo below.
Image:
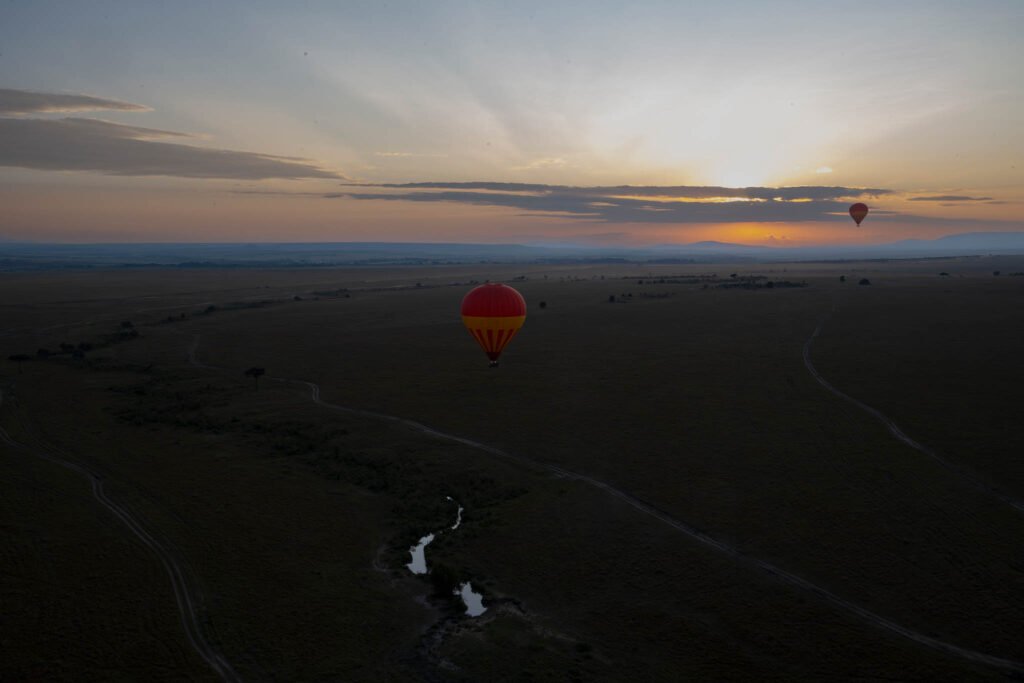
(493, 299)
(493, 313)
(858, 211)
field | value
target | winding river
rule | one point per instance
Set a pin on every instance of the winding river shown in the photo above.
(473, 601)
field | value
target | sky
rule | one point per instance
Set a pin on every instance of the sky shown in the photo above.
(599, 123)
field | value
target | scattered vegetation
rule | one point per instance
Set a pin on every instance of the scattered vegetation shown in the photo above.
(255, 373)
(407, 471)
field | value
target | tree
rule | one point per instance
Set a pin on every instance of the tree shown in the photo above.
(126, 325)
(864, 281)
(842, 278)
(445, 579)
(543, 304)
(611, 298)
(43, 353)
(20, 359)
(255, 373)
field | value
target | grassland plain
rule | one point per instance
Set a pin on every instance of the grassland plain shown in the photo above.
(692, 399)
(80, 600)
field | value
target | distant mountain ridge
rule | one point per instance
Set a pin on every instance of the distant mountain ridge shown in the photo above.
(994, 240)
(43, 256)
(962, 244)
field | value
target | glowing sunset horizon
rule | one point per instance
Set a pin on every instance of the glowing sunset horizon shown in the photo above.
(457, 122)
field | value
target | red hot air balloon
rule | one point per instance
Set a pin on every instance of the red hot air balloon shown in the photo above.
(493, 313)
(858, 211)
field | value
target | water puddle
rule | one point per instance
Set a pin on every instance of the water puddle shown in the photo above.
(474, 601)
(419, 555)
(458, 515)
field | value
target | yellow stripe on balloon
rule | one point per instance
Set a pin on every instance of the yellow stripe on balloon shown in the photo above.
(493, 322)
(493, 332)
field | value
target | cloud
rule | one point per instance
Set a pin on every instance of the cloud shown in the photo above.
(949, 198)
(631, 204)
(823, 169)
(807, 192)
(30, 102)
(543, 163)
(406, 155)
(79, 144)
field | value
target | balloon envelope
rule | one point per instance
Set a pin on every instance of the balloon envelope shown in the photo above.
(858, 211)
(493, 313)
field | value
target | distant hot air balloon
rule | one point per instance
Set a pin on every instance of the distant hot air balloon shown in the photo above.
(858, 211)
(493, 313)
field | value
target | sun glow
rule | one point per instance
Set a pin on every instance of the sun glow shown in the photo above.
(782, 234)
(739, 177)
(739, 133)
(685, 200)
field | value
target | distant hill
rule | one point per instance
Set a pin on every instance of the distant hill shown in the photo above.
(964, 244)
(997, 241)
(711, 244)
(40, 256)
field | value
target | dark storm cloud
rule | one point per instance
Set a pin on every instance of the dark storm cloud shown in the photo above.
(77, 144)
(949, 198)
(30, 102)
(677, 191)
(633, 204)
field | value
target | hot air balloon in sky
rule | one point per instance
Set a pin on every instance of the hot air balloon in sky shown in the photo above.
(858, 211)
(493, 313)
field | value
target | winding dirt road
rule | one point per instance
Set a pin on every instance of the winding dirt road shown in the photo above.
(898, 433)
(825, 595)
(183, 592)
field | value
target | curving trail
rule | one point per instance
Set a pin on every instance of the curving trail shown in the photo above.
(898, 433)
(650, 510)
(182, 591)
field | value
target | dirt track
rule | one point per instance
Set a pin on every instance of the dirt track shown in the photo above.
(895, 430)
(183, 593)
(845, 605)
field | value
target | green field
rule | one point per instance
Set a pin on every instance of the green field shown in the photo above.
(687, 394)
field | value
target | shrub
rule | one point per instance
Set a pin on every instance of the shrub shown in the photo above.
(255, 373)
(444, 579)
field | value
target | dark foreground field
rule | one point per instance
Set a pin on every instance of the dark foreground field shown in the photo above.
(654, 489)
